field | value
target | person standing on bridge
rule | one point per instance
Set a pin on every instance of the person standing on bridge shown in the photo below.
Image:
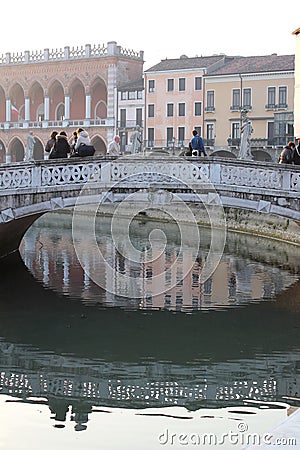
(197, 144)
(296, 154)
(287, 154)
(114, 147)
(51, 141)
(61, 148)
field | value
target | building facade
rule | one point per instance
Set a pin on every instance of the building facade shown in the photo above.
(103, 89)
(130, 123)
(210, 93)
(261, 85)
(62, 89)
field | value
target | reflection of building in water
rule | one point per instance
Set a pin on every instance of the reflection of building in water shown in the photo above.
(168, 279)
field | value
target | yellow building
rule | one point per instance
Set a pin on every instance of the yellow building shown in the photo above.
(261, 85)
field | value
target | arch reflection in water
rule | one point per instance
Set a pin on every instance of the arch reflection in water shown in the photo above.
(48, 252)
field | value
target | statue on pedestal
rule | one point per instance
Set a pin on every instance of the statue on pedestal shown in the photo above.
(136, 140)
(29, 147)
(246, 131)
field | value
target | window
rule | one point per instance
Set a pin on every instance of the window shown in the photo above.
(199, 130)
(236, 101)
(198, 108)
(170, 110)
(181, 84)
(247, 101)
(181, 109)
(210, 101)
(170, 135)
(170, 86)
(150, 133)
(282, 97)
(198, 83)
(271, 97)
(210, 135)
(123, 95)
(131, 95)
(139, 117)
(123, 118)
(139, 95)
(151, 86)
(235, 130)
(181, 135)
(150, 110)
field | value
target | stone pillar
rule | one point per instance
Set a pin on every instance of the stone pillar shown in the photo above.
(67, 107)
(87, 106)
(8, 110)
(27, 109)
(8, 158)
(46, 108)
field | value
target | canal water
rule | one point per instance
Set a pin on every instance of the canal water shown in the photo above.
(84, 364)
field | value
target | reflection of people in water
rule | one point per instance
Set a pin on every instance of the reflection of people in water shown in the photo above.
(59, 407)
(80, 414)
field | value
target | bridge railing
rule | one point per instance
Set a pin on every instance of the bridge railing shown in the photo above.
(220, 171)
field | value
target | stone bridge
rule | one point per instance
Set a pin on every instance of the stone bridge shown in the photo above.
(28, 190)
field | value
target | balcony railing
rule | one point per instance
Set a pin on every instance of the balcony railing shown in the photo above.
(129, 124)
(108, 122)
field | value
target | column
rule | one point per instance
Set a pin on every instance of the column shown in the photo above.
(87, 106)
(27, 109)
(46, 108)
(67, 107)
(8, 106)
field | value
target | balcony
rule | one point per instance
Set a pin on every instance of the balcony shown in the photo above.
(108, 122)
(129, 124)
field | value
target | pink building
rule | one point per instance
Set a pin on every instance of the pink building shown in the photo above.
(62, 89)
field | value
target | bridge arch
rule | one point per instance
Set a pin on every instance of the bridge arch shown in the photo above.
(29, 190)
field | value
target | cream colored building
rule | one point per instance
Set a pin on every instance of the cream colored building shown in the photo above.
(262, 85)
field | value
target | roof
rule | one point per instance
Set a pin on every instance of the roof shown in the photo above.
(256, 64)
(184, 62)
(134, 85)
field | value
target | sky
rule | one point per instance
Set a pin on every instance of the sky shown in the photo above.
(161, 28)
